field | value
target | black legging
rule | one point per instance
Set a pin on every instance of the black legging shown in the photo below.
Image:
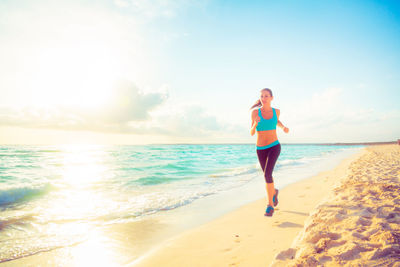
(267, 158)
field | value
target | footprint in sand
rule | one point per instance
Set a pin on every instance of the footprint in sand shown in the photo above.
(385, 211)
(237, 239)
(234, 258)
(364, 222)
(286, 254)
(360, 236)
(325, 259)
(314, 237)
(336, 243)
(289, 225)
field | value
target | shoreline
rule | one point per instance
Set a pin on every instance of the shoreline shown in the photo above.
(121, 237)
(239, 237)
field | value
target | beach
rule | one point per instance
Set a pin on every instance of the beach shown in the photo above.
(64, 206)
(327, 219)
(347, 215)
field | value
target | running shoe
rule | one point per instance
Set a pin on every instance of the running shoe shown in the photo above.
(269, 211)
(275, 198)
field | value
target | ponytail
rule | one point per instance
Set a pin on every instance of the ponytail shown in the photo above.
(257, 104)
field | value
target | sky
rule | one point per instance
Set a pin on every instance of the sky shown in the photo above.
(188, 71)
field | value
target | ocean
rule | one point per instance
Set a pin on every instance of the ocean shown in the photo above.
(52, 196)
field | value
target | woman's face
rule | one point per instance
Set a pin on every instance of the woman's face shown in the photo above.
(265, 97)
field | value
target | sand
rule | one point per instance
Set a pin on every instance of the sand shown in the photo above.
(345, 216)
(245, 237)
(359, 224)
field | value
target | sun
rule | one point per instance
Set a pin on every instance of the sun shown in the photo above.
(74, 63)
(79, 73)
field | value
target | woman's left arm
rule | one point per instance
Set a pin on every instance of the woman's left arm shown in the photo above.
(280, 124)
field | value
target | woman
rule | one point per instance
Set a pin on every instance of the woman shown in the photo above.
(264, 121)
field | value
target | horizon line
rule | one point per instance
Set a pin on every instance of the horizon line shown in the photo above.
(324, 143)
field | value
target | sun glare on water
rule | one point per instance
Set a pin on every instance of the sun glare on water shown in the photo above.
(83, 170)
(77, 211)
(81, 164)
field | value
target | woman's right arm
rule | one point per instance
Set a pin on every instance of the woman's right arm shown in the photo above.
(254, 122)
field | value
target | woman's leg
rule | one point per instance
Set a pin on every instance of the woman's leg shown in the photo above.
(272, 158)
(270, 192)
(263, 158)
(262, 155)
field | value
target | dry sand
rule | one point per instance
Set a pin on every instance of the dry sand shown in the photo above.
(359, 225)
(246, 237)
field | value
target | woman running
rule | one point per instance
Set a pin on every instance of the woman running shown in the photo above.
(264, 121)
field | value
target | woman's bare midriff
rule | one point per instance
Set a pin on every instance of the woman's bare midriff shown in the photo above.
(265, 138)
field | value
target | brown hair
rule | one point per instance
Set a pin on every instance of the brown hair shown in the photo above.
(258, 102)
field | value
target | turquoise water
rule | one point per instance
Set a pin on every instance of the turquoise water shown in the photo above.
(51, 195)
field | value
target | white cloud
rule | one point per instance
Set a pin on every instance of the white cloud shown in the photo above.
(327, 117)
(152, 9)
(127, 104)
(128, 111)
(194, 121)
(121, 3)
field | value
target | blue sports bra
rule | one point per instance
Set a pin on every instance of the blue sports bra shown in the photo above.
(266, 125)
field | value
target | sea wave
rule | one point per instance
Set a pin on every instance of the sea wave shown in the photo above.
(155, 179)
(298, 161)
(21, 221)
(240, 171)
(18, 194)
